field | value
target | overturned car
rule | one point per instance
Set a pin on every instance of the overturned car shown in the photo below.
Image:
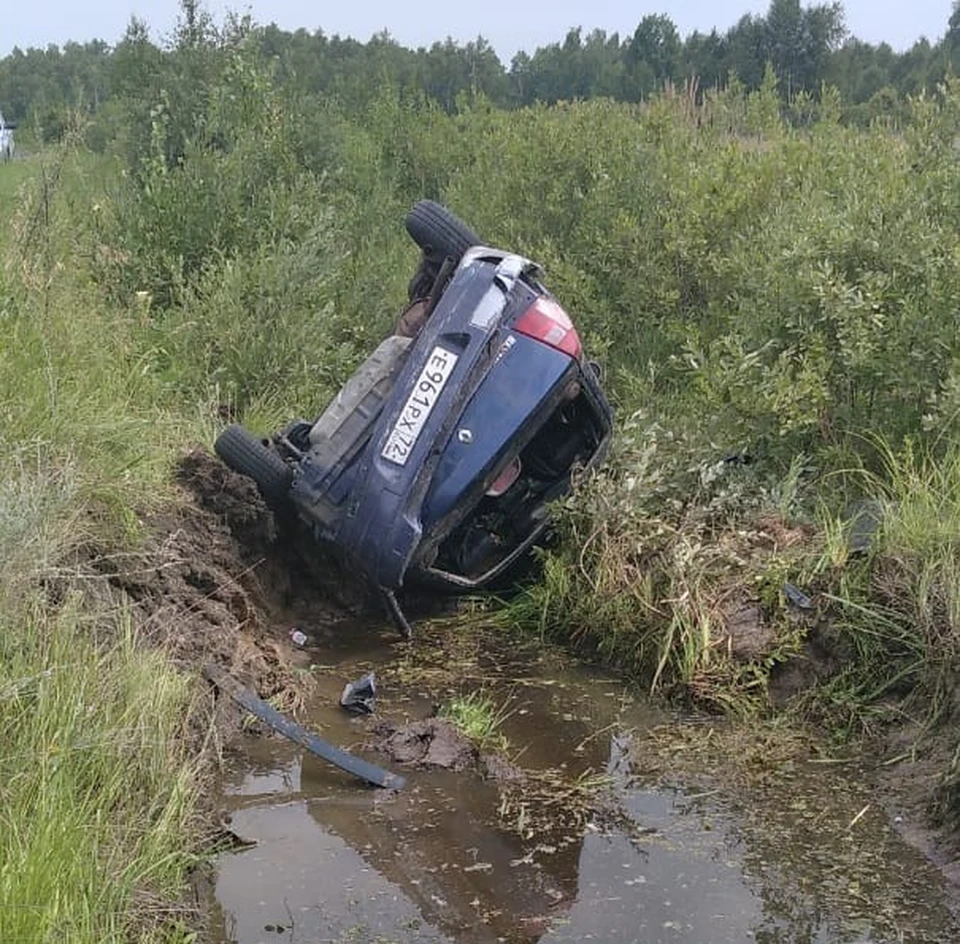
(437, 461)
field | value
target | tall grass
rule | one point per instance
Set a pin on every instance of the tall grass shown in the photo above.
(904, 614)
(656, 556)
(752, 287)
(97, 783)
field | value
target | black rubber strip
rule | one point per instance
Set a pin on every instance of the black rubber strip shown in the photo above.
(299, 734)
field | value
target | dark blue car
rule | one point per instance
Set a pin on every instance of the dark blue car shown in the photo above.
(438, 460)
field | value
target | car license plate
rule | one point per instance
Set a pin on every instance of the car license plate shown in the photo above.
(416, 411)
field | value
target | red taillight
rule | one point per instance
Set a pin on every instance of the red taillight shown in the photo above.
(546, 321)
(505, 479)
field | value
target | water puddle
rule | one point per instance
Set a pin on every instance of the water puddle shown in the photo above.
(698, 840)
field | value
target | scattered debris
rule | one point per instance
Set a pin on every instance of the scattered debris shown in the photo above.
(360, 696)
(298, 637)
(797, 597)
(300, 735)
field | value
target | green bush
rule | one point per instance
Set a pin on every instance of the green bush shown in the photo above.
(783, 291)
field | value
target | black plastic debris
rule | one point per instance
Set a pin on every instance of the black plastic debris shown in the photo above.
(299, 734)
(797, 597)
(359, 696)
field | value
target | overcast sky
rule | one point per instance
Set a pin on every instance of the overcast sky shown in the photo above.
(508, 24)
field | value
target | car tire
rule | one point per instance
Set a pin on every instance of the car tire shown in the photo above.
(438, 232)
(245, 453)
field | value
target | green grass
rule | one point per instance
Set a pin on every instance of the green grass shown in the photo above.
(478, 718)
(899, 609)
(12, 177)
(752, 287)
(97, 786)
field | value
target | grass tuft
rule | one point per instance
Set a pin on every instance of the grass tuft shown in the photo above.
(98, 785)
(478, 718)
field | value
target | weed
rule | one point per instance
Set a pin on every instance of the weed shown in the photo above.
(687, 594)
(900, 608)
(549, 803)
(99, 791)
(478, 718)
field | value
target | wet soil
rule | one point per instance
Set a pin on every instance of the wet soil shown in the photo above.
(630, 823)
(220, 579)
(436, 743)
(605, 820)
(431, 742)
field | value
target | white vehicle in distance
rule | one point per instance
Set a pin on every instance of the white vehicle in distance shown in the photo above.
(6, 140)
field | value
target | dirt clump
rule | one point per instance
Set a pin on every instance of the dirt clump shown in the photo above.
(232, 497)
(746, 634)
(218, 578)
(431, 742)
(822, 654)
(437, 743)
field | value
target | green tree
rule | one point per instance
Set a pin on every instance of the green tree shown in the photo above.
(799, 42)
(655, 45)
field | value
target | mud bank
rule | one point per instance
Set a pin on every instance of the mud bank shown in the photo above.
(220, 579)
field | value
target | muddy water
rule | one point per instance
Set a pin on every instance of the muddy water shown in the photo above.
(699, 835)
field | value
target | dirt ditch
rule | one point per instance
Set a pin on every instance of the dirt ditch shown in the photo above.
(625, 822)
(219, 578)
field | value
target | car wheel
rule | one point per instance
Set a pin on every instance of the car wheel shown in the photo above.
(438, 232)
(245, 453)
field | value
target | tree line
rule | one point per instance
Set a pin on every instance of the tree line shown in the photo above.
(807, 47)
